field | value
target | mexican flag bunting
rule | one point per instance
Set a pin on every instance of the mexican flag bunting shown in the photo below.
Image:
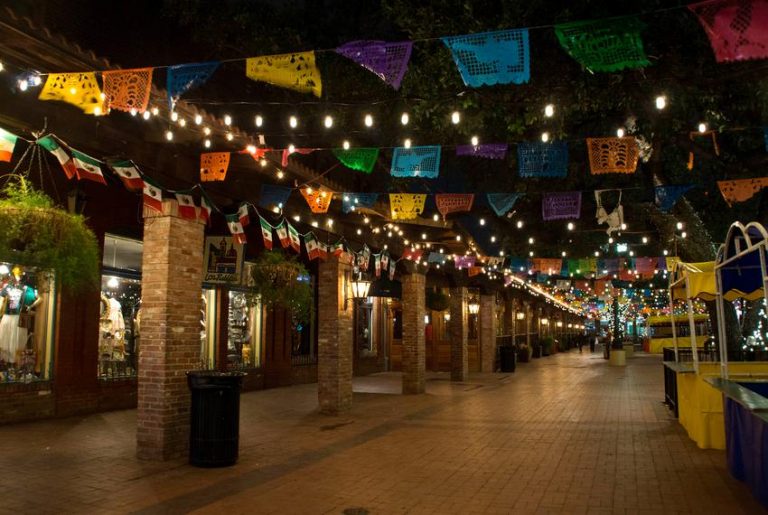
(238, 233)
(311, 244)
(61, 152)
(187, 207)
(377, 264)
(323, 251)
(392, 266)
(282, 234)
(293, 235)
(205, 209)
(384, 260)
(7, 144)
(87, 167)
(153, 196)
(266, 233)
(129, 174)
(338, 249)
(366, 255)
(242, 213)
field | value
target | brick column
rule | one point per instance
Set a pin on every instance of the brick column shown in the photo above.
(171, 285)
(529, 322)
(509, 315)
(414, 352)
(334, 340)
(487, 332)
(458, 333)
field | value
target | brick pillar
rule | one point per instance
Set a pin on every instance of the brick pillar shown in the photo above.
(414, 352)
(458, 333)
(509, 315)
(529, 322)
(171, 286)
(334, 340)
(487, 332)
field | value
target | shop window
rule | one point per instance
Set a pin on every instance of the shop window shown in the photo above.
(364, 329)
(26, 323)
(244, 331)
(208, 329)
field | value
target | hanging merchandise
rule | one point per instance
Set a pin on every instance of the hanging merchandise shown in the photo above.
(561, 206)
(421, 162)
(242, 214)
(272, 196)
(7, 144)
(213, 166)
(186, 206)
(353, 201)
(387, 60)
(487, 150)
(79, 89)
(666, 197)
(293, 235)
(129, 174)
(698, 134)
(153, 196)
(406, 206)
(318, 200)
(312, 246)
(127, 90)
(616, 217)
(62, 153)
(287, 153)
(87, 167)
(238, 233)
(360, 159)
(464, 261)
(205, 208)
(453, 202)
(282, 234)
(741, 190)
(501, 203)
(612, 155)
(737, 29)
(292, 71)
(183, 77)
(539, 159)
(489, 58)
(609, 45)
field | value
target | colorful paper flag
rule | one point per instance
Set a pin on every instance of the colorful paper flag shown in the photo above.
(79, 89)
(737, 30)
(318, 200)
(266, 233)
(312, 246)
(183, 77)
(338, 249)
(392, 268)
(539, 159)
(421, 162)
(406, 206)
(205, 208)
(238, 233)
(272, 196)
(489, 58)
(501, 203)
(129, 174)
(127, 90)
(293, 235)
(186, 206)
(454, 202)
(561, 205)
(213, 166)
(292, 71)
(486, 150)
(61, 152)
(352, 201)
(87, 167)
(387, 60)
(242, 214)
(613, 155)
(7, 144)
(608, 45)
(360, 159)
(282, 235)
(377, 265)
(153, 196)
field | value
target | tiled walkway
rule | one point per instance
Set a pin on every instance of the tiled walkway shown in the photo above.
(564, 434)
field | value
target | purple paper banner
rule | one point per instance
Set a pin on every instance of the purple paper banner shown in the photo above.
(561, 206)
(464, 261)
(388, 60)
(488, 151)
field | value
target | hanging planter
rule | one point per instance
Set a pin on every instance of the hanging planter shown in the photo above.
(437, 300)
(276, 281)
(37, 233)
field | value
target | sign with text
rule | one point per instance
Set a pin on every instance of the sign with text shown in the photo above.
(223, 260)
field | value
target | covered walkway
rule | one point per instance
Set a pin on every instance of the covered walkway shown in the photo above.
(564, 434)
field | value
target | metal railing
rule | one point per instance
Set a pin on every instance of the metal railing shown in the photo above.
(303, 359)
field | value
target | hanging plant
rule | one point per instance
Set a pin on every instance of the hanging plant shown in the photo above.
(437, 300)
(277, 282)
(37, 233)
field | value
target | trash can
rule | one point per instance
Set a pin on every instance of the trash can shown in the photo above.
(507, 358)
(214, 431)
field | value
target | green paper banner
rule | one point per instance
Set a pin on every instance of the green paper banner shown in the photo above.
(604, 45)
(360, 159)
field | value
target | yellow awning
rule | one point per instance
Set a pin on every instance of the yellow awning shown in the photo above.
(701, 278)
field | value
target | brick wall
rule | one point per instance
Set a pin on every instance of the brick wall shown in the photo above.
(487, 332)
(334, 342)
(457, 330)
(414, 352)
(170, 332)
(23, 402)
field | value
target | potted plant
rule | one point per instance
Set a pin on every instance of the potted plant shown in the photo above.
(278, 280)
(437, 300)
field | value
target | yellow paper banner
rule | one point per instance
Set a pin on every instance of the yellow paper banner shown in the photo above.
(79, 89)
(406, 206)
(292, 71)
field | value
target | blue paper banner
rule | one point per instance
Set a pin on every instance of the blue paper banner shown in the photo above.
(489, 58)
(667, 196)
(273, 196)
(416, 162)
(183, 77)
(539, 159)
(518, 264)
(436, 257)
(352, 201)
(501, 203)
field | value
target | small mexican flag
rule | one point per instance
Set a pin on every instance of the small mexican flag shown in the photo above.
(153, 197)
(87, 167)
(7, 144)
(282, 233)
(238, 233)
(242, 214)
(266, 233)
(392, 267)
(293, 235)
(61, 152)
(205, 209)
(187, 208)
(338, 249)
(377, 264)
(129, 174)
(323, 251)
(384, 260)
(311, 244)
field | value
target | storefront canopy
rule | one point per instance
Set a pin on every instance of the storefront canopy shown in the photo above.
(738, 261)
(700, 278)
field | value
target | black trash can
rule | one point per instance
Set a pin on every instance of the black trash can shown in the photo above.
(507, 358)
(214, 431)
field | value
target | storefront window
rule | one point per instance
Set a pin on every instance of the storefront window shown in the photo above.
(26, 323)
(244, 331)
(364, 331)
(208, 329)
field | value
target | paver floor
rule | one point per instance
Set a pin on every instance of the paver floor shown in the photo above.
(564, 434)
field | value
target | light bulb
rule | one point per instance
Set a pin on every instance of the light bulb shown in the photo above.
(207, 131)
(570, 226)
(133, 111)
(73, 90)
(198, 119)
(207, 143)
(175, 116)
(23, 85)
(423, 236)
(645, 239)
(623, 227)
(435, 217)
(684, 234)
(227, 120)
(368, 120)
(155, 111)
(610, 240)
(620, 132)
(314, 223)
(182, 122)
(407, 143)
(146, 115)
(530, 241)
(549, 110)
(328, 122)
(482, 221)
(169, 135)
(263, 162)
(293, 122)
(345, 145)
(679, 226)
(296, 218)
(97, 111)
(544, 137)
(366, 220)
(702, 127)
(458, 237)
(330, 222)
(404, 118)
(259, 120)
(359, 232)
(1, 66)
(455, 117)
(475, 141)
(309, 190)
(519, 224)
(291, 148)
(666, 252)
(4, 270)
(113, 283)
(230, 137)
(280, 174)
(597, 254)
(493, 239)
(563, 253)
(661, 102)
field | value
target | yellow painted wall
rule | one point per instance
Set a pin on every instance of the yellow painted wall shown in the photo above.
(655, 345)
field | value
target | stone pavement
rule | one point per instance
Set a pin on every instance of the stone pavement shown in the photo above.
(564, 434)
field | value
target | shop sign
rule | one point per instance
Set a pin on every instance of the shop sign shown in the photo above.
(223, 260)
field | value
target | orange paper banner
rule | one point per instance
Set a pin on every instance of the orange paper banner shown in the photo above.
(318, 200)
(612, 155)
(126, 90)
(213, 166)
(741, 190)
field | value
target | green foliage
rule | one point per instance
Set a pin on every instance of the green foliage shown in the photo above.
(437, 300)
(276, 283)
(36, 233)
